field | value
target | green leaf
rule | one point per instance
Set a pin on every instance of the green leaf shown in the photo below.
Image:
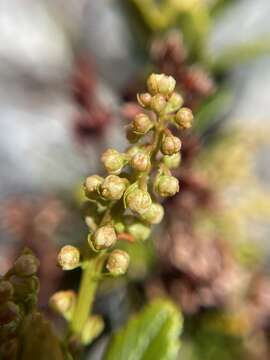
(150, 335)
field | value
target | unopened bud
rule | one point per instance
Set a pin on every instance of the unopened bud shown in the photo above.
(117, 263)
(160, 84)
(170, 145)
(6, 291)
(166, 185)
(174, 103)
(92, 329)
(26, 265)
(184, 118)
(119, 227)
(158, 103)
(139, 231)
(140, 162)
(172, 161)
(133, 150)
(24, 286)
(142, 124)
(9, 312)
(103, 238)
(138, 200)
(92, 184)
(113, 187)
(144, 99)
(131, 136)
(69, 257)
(113, 161)
(63, 302)
(154, 214)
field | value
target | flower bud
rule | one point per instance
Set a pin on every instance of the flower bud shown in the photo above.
(113, 161)
(119, 227)
(9, 312)
(69, 257)
(138, 200)
(170, 145)
(6, 291)
(117, 263)
(24, 286)
(63, 302)
(26, 265)
(133, 150)
(140, 162)
(154, 214)
(184, 118)
(113, 187)
(172, 161)
(158, 103)
(139, 231)
(160, 83)
(144, 99)
(142, 124)
(103, 238)
(166, 185)
(92, 329)
(131, 136)
(174, 102)
(92, 184)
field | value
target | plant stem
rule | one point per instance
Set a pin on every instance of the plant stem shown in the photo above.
(86, 296)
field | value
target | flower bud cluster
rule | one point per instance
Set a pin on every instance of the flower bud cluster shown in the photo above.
(18, 297)
(125, 189)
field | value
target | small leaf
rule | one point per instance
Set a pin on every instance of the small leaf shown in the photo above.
(150, 335)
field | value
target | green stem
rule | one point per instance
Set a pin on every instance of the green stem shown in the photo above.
(86, 296)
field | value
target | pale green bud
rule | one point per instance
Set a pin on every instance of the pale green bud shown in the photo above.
(174, 103)
(113, 187)
(103, 238)
(138, 200)
(144, 99)
(6, 291)
(92, 329)
(170, 145)
(113, 161)
(63, 302)
(160, 84)
(158, 103)
(142, 124)
(119, 227)
(140, 162)
(172, 161)
(69, 257)
(26, 265)
(166, 185)
(139, 231)
(92, 184)
(184, 118)
(154, 214)
(133, 150)
(117, 263)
